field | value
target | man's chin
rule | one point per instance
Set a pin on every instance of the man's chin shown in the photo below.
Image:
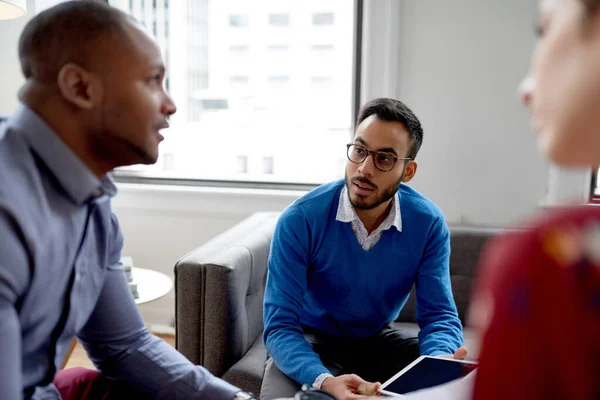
(150, 160)
(361, 202)
(141, 159)
(150, 156)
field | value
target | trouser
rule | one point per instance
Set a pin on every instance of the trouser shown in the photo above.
(86, 384)
(375, 359)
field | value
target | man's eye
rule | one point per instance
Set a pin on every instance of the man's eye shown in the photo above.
(359, 150)
(382, 158)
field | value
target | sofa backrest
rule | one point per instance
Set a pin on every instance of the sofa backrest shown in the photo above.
(466, 245)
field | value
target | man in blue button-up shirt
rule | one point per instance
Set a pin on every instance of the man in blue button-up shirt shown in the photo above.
(93, 100)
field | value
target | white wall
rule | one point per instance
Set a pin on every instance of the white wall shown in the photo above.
(460, 64)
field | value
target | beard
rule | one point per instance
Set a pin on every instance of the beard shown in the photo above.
(375, 198)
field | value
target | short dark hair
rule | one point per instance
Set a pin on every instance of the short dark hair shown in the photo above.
(395, 111)
(73, 31)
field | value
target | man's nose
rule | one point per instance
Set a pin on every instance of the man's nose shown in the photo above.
(168, 107)
(367, 167)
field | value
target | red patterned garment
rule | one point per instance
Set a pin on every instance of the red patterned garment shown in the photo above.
(538, 299)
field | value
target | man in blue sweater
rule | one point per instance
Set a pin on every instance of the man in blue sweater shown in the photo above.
(343, 260)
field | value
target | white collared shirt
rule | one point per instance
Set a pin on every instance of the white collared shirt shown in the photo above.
(347, 213)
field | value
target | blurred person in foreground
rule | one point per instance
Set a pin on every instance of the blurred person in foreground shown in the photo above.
(538, 299)
(93, 100)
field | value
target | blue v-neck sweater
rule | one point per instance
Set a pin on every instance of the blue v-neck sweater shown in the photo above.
(320, 276)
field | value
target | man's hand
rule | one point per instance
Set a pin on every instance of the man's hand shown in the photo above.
(350, 387)
(459, 354)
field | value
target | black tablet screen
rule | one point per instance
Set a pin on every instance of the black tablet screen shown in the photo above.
(427, 373)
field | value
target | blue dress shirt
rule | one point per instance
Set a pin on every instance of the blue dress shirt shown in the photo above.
(60, 277)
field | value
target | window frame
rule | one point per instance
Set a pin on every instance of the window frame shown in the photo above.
(594, 197)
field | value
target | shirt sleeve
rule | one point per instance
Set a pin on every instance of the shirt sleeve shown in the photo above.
(286, 284)
(14, 278)
(441, 330)
(120, 345)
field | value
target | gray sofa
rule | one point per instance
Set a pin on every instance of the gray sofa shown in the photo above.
(219, 289)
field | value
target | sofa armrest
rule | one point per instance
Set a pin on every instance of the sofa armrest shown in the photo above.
(219, 290)
(248, 372)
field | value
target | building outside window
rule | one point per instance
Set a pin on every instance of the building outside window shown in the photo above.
(240, 90)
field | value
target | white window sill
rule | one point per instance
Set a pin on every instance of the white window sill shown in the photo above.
(191, 199)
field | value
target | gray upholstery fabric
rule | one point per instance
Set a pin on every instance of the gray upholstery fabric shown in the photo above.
(219, 289)
(248, 372)
(466, 244)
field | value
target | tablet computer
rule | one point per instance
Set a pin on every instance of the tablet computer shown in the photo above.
(426, 372)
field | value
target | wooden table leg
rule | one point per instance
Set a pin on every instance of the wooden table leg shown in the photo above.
(71, 348)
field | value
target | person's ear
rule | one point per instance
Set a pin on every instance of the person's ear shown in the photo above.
(79, 87)
(410, 170)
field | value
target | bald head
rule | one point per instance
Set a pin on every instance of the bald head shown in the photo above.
(80, 32)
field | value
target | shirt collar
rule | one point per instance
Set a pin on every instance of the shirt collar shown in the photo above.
(347, 213)
(73, 175)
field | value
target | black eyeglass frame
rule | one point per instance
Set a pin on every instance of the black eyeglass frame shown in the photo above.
(374, 153)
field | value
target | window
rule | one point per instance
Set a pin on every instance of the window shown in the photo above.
(279, 83)
(238, 49)
(267, 163)
(279, 19)
(322, 19)
(168, 162)
(321, 80)
(278, 48)
(242, 164)
(321, 48)
(249, 95)
(279, 79)
(239, 80)
(214, 104)
(238, 21)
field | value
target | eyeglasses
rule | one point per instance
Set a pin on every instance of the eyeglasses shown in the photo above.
(382, 161)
